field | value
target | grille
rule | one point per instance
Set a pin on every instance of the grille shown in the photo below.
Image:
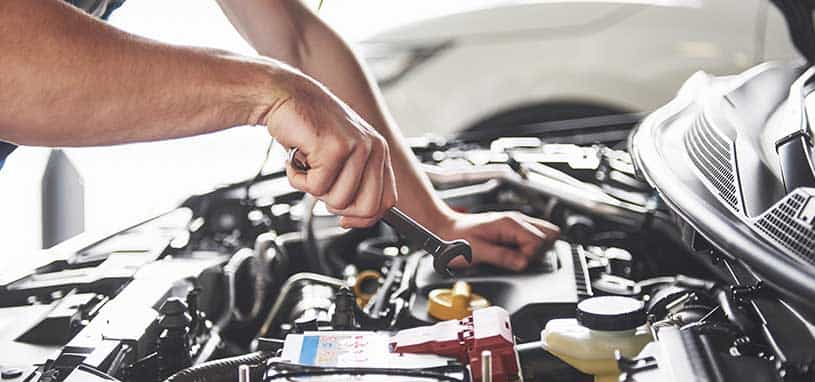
(713, 156)
(782, 225)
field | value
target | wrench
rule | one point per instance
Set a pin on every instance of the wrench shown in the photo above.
(443, 251)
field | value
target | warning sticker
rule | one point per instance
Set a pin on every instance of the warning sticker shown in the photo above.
(352, 349)
(342, 350)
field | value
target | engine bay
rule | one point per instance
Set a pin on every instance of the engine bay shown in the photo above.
(256, 281)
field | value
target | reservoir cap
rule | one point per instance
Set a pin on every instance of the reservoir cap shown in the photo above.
(611, 313)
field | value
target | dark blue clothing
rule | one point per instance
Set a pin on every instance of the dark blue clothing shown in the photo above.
(100, 8)
(5, 150)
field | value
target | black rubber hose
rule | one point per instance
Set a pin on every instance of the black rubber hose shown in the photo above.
(723, 296)
(219, 370)
(420, 375)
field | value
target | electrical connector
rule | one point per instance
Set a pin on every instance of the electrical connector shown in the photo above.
(487, 329)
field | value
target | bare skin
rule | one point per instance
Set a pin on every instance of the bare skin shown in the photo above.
(69, 80)
(290, 32)
(74, 81)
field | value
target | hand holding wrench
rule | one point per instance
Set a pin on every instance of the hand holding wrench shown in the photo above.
(443, 251)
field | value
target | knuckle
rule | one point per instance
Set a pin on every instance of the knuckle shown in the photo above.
(390, 198)
(507, 261)
(379, 142)
(319, 188)
(294, 184)
(339, 202)
(342, 147)
(388, 202)
(294, 181)
(369, 209)
(367, 144)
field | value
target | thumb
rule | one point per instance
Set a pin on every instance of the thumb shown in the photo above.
(291, 129)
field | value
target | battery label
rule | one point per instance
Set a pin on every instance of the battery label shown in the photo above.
(352, 349)
(341, 350)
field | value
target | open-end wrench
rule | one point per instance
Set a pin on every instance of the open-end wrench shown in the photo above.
(443, 251)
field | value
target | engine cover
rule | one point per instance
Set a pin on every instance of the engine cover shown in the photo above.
(546, 290)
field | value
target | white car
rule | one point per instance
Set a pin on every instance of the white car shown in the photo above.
(519, 62)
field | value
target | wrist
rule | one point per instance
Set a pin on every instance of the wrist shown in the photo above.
(442, 219)
(257, 87)
(275, 85)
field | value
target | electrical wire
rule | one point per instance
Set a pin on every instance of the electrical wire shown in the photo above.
(218, 370)
(358, 372)
(294, 371)
(283, 295)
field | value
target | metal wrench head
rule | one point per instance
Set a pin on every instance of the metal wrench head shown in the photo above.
(295, 161)
(452, 250)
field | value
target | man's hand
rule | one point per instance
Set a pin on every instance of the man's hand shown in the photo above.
(289, 31)
(349, 162)
(506, 239)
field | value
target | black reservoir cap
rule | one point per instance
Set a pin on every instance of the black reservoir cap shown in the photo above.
(611, 313)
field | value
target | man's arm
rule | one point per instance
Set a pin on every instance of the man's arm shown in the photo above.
(289, 31)
(69, 80)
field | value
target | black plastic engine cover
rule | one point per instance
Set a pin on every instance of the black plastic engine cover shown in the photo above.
(532, 297)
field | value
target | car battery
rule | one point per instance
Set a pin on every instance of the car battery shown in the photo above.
(363, 355)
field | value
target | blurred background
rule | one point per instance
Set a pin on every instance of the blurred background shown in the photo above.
(446, 67)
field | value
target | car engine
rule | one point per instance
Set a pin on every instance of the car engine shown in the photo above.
(256, 281)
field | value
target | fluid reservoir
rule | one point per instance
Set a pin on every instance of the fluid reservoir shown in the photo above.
(603, 325)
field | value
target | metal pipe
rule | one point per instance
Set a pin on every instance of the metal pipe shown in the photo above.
(287, 288)
(263, 244)
(549, 181)
(230, 270)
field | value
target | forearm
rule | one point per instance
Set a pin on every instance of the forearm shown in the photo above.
(69, 80)
(348, 79)
(319, 52)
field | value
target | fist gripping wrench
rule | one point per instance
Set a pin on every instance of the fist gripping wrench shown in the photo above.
(443, 251)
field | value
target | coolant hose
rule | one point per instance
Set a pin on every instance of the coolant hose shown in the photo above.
(219, 370)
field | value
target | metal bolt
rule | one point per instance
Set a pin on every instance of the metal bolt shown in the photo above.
(486, 366)
(243, 373)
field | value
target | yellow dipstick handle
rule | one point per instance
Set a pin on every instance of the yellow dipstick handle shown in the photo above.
(462, 292)
(455, 303)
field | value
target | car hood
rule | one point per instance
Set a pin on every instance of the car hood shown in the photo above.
(522, 18)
